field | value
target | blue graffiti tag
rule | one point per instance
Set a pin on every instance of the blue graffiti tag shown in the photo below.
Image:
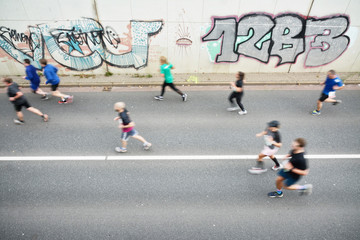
(76, 35)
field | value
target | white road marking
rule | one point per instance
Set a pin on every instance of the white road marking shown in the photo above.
(165, 157)
(55, 158)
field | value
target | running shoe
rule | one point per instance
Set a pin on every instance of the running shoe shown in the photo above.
(62, 101)
(184, 97)
(46, 118)
(147, 146)
(231, 109)
(257, 171)
(120, 150)
(307, 190)
(337, 102)
(275, 168)
(70, 99)
(315, 112)
(18, 122)
(45, 97)
(243, 112)
(275, 194)
(160, 98)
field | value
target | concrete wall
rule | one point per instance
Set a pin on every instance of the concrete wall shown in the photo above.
(211, 36)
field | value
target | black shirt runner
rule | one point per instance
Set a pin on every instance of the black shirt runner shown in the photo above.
(298, 161)
(12, 90)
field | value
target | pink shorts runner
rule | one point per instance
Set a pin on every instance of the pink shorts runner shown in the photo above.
(268, 151)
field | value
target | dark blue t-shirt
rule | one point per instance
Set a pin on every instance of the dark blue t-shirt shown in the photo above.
(32, 75)
(330, 83)
(125, 117)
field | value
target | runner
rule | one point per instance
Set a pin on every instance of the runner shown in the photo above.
(165, 71)
(272, 144)
(52, 78)
(34, 79)
(238, 92)
(293, 170)
(127, 127)
(332, 83)
(18, 99)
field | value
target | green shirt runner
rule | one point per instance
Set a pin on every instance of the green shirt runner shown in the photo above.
(166, 70)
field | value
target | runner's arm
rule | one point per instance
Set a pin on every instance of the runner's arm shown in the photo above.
(18, 95)
(276, 144)
(286, 156)
(131, 124)
(235, 88)
(261, 134)
(29, 75)
(300, 172)
(338, 87)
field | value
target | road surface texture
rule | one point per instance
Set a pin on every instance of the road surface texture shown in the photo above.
(177, 199)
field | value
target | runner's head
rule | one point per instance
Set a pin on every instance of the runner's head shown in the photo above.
(119, 106)
(332, 74)
(274, 125)
(163, 60)
(240, 75)
(27, 62)
(8, 81)
(43, 62)
(299, 143)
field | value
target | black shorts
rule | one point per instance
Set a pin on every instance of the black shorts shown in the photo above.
(18, 107)
(54, 87)
(323, 97)
(289, 179)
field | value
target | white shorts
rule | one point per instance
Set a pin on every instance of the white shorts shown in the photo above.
(268, 151)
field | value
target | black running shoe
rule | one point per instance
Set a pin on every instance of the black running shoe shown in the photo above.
(275, 194)
(45, 97)
(337, 102)
(160, 98)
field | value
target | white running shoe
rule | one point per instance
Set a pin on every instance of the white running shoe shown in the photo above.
(18, 122)
(275, 168)
(120, 150)
(69, 99)
(231, 109)
(243, 112)
(307, 190)
(147, 146)
(184, 97)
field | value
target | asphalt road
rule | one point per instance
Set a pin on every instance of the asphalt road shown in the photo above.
(174, 200)
(195, 199)
(200, 126)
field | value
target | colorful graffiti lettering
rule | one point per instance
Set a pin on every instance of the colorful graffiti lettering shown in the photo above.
(286, 36)
(81, 44)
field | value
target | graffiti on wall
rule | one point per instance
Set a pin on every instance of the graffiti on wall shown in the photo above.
(183, 36)
(286, 36)
(81, 44)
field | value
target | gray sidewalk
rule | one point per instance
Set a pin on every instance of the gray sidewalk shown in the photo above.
(202, 79)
